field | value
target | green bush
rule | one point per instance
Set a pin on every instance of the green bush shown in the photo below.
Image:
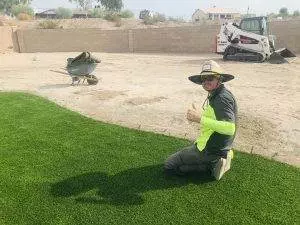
(296, 13)
(97, 13)
(63, 13)
(112, 16)
(126, 14)
(176, 19)
(159, 17)
(24, 16)
(148, 20)
(21, 8)
(49, 24)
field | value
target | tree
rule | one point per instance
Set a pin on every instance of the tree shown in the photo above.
(97, 13)
(112, 5)
(272, 15)
(63, 13)
(83, 4)
(296, 13)
(21, 8)
(126, 14)
(283, 11)
(6, 5)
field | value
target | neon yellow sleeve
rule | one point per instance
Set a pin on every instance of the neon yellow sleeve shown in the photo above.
(222, 127)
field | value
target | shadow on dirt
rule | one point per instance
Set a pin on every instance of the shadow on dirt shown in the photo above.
(54, 86)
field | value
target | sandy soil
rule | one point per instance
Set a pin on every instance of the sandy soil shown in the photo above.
(152, 92)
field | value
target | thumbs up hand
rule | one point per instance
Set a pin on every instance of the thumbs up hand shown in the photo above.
(193, 114)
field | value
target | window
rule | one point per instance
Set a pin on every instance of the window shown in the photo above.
(251, 26)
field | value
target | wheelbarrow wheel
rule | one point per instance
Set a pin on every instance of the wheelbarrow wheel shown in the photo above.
(92, 80)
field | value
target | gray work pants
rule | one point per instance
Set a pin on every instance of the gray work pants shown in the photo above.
(190, 159)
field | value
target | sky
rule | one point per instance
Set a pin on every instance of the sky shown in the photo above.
(185, 8)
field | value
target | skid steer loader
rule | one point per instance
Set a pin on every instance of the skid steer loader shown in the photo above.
(250, 41)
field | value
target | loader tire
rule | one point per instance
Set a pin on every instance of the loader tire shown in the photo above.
(229, 51)
(92, 80)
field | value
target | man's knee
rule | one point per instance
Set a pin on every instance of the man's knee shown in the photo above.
(183, 161)
(172, 162)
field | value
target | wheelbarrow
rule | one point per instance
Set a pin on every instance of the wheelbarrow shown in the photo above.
(81, 67)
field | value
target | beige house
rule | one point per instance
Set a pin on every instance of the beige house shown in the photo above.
(199, 16)
(215, 14)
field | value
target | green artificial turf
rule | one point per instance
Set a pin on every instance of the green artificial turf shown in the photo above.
(58, 167)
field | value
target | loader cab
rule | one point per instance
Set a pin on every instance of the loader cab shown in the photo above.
(257, 25)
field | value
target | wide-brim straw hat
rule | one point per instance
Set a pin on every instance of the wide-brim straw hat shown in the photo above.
(209, 68)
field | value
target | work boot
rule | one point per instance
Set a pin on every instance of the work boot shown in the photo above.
(222, 166)
(228, 160)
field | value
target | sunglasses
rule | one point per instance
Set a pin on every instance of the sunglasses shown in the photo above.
(208, 78)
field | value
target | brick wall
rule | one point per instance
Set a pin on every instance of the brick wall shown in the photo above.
(5, 38)
(287, 34)
(70, 40)
(192, 39)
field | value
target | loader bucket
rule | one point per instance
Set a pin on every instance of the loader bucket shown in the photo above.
(284, 52)
(280, 55)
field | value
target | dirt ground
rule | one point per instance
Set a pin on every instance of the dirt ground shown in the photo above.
(152, 92)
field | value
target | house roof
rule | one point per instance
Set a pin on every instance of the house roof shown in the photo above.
(47, 12)
(53, 12)
(216, 10)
